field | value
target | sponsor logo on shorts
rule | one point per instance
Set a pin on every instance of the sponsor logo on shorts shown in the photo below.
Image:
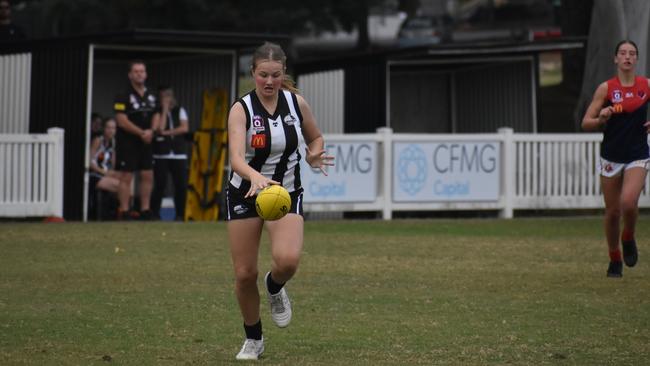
(240, 209)
(608, 168)
(119, 107)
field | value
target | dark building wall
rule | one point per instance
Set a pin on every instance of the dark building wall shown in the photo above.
(365, 96)
(495, 95)
(420, 101)
(467, 97)
(58, 99)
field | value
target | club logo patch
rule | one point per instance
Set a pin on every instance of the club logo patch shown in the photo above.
(641, 94)
(617, 96)
(290, 120)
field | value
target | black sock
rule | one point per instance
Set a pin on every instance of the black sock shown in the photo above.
(254, 331)
(272, 286)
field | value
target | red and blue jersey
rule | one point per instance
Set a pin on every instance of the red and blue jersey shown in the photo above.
(625, 139)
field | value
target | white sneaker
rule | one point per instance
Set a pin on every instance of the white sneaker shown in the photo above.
(280, 306)
(251, 350)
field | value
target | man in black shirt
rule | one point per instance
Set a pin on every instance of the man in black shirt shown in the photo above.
(134, 113)
(8, 30)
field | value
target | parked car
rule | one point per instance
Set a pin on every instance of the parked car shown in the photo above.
(425, 30)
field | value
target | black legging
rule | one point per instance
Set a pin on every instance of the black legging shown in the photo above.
(178, 170)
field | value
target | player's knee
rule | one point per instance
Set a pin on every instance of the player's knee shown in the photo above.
(613, 212)
(628, 206)
(287, 264)
(246, 276)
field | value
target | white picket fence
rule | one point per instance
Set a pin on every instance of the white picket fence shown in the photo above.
(31, 174)
(556, 171)
(537, 171)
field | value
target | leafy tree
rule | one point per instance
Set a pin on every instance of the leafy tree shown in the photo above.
(68, 17)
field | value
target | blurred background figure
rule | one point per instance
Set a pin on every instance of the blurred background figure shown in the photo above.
(96, 125)
(8, 30)
(104, 180)
(170, 152)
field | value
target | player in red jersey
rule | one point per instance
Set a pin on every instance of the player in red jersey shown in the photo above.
(619, 108)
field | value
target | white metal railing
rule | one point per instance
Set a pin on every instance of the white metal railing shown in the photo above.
(536, 171)
(31, 174)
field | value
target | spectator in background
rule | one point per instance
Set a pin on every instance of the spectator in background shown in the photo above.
(96, 125)
(134, 114)
(169, 151)
(8, 30)
(102, 162)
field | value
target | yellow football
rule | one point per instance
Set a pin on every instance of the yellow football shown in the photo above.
(273, 202)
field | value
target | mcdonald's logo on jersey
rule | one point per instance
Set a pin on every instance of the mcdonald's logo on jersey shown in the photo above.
(258, 141)
(618, 108)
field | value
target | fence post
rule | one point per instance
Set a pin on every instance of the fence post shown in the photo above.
(508, 173)
(57, 171)
(386, 134)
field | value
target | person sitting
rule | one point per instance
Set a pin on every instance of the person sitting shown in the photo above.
(102, 176)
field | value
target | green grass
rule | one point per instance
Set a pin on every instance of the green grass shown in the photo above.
(425, 292)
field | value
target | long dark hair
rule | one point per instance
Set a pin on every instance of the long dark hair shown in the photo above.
(273, 52)
(626, 41)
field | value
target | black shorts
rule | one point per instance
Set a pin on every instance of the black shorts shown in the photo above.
(132, 155)
(239, 207)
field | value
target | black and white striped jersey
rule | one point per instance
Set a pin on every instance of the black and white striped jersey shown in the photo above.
(272, 141)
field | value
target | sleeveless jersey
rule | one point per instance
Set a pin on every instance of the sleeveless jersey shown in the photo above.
(104, 154)
(272, 141)
(625, 139)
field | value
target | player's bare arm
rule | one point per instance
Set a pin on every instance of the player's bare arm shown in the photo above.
(596, 116)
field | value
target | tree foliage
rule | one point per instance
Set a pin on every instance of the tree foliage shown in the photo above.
(69, 17)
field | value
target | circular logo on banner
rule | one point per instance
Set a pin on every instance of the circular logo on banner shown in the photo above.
(412, 169)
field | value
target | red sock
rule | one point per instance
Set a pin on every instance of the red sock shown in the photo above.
(615, 256)
(627, 235)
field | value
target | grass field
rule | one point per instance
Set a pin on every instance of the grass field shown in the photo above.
(425, 292)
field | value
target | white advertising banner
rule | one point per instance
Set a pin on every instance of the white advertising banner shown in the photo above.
(353, 178)
(446, 171)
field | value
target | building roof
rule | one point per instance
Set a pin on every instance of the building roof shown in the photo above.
(441, 51)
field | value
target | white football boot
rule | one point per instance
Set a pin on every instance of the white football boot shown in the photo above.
(251, 350)
(280, 306)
